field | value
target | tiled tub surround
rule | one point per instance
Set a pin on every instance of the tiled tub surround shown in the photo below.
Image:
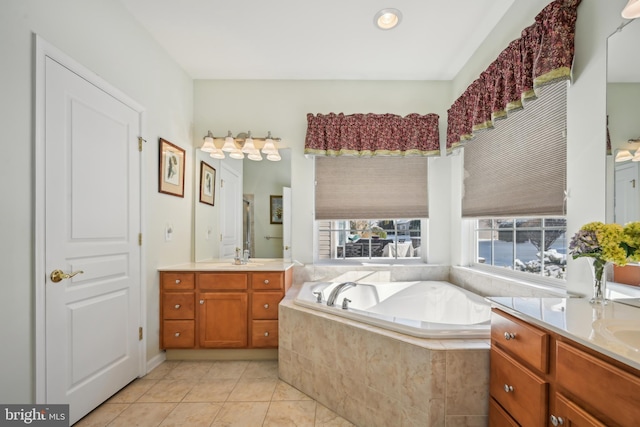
(375, 377)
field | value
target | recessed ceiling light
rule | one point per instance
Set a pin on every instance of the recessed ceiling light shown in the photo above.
(387, 19)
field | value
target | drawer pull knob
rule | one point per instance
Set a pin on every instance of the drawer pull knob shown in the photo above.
(177, 334)
(509, 336)
(177, 306)
(557, 421)
(508, 388)
(177, 281)
(266, 306)
(266, 281)
(266, 334)
(201, 301)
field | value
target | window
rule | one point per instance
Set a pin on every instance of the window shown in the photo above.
(531, 245)
(369, 239)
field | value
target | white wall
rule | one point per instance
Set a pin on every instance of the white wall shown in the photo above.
(282, 106)
(101, 35)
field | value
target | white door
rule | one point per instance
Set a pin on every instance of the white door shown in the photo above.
(91, 231)
(230, 211)
(286, 222)
(627, 187)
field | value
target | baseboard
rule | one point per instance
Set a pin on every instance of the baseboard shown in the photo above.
(222, 354)
(155, 361)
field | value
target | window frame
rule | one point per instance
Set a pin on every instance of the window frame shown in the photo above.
(510, 273)
(368, 260)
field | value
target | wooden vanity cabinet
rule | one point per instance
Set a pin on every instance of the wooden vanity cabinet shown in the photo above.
(519, 367)
(540, 378)
(177, 310)
(221, 309)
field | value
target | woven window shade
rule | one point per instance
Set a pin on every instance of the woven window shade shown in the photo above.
(371, 188)
(519, 167)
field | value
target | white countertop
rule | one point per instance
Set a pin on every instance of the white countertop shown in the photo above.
(613, 329)
(254, 264)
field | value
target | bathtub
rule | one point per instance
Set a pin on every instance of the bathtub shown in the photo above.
(424, 309)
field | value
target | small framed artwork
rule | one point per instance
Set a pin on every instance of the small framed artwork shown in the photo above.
(171, 172)
(276, 210)
(207, 184)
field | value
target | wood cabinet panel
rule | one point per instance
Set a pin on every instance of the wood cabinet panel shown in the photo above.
(178, 334)
(264, 305)
(520, 392)
(498, 417)
(178, 305)
(528, 343)
(223, 319)
(264, 333)
(568, 414)
(603, 389)
(222, 281)
(267, 281)
(177, 281)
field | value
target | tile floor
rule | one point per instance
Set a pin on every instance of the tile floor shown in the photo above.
(212, 393)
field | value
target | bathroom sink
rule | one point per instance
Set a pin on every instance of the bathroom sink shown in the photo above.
(623, 332)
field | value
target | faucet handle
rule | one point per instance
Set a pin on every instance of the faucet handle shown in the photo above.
(345, 303)
(318, 296)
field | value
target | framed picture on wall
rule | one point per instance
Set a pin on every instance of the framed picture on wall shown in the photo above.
(171, 170)
(276, 209)
(207, 184)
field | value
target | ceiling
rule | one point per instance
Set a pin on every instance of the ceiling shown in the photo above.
(325, 40)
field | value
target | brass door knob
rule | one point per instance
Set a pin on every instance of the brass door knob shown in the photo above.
(58, 275)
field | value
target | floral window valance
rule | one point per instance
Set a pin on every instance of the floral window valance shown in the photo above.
(543, 54)
(368, 135)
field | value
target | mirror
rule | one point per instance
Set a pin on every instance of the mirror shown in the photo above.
(260, 181)
(623, 111)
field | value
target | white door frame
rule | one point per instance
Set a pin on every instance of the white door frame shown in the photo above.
(43, 50)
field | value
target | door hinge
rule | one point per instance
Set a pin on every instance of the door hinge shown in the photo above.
(222, 183)
(140, 141)
(221, 237)
(139, 239)
(140, 333)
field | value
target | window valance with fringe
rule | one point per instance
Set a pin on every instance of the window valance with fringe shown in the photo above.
(543, 54)
(367, 135)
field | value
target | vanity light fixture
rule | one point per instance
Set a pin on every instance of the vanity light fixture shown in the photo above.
(243, 143)
(387, 19)
(631, 10)
(623, 156)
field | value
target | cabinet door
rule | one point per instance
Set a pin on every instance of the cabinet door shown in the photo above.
(178, 305)
(519, 391)
(223, 320)
(267, 281)
(498, 417)
(264, 305)
(567, 414)
(264, 334)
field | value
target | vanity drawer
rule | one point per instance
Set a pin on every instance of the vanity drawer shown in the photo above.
(264, 333)
(498, 417)
(605, 390)
(222, 281)
(519, 391)
(264, 305)
(527, 343)
(267, 280)
(178, 305)
(178, 334)
(178, 281)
